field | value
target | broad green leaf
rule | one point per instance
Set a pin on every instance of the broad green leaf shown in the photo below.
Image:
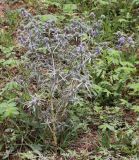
(10, 62)
(124, 70)
(134, 86)
(106, 126)
(135, 108)
(103, 2)
(6, 50)
(12, 85)
(122, 20)
(48, 17)
(127, 64)
(136, 2)
(50, 2)
(69, 8)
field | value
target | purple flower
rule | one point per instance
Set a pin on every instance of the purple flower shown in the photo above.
(22, 40)
(97, 51)
(121, 40)
(130, 40)
(46, 39)
(98, 24)
(94, 33)
(81, 48)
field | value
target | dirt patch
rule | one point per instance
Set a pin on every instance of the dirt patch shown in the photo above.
(53, 9)
(87, 141)
(3, 8)
(130, 117)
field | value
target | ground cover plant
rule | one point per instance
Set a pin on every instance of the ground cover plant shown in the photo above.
(69, 80)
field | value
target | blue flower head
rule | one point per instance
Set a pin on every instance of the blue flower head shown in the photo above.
(81, 48)
(121, 40)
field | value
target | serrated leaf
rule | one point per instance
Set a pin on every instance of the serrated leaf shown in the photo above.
(8, 109)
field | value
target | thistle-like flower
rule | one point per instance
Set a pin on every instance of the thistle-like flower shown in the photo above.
(122, 40)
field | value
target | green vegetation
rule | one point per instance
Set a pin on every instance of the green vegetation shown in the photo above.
(69, 80)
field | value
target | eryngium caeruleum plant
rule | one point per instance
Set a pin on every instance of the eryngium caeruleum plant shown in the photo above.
(57, 59)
